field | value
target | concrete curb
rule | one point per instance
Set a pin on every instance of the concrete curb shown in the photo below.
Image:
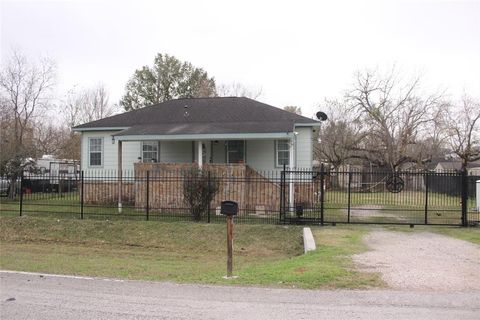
(308, 240)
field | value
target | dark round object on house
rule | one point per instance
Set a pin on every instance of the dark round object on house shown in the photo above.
(322, 116)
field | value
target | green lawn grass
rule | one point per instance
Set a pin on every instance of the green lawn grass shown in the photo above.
(182, 252)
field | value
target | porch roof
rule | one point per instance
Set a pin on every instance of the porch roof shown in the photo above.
(205, 136)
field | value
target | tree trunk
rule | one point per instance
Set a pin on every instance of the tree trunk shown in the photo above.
(335, 183)
(12, 189)
(464, 164)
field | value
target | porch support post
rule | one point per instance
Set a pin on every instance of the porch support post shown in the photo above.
(200, 154)
(291, 176)
(119, 176)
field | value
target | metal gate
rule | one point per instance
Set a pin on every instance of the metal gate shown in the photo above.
(378, 197)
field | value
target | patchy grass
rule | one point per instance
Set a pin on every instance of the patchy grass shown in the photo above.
(181, 252)
(329, 266)
(467, 234)
(471, 234)
(339, 243)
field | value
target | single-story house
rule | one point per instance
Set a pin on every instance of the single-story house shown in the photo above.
(200, 130)
(233, 136)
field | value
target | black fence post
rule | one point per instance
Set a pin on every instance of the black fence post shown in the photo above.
(284, 201)
(147, 196)
(21, 193)
(322, 193)
(209, 183)
(349, 195)
(426, 197)
(464, 198)
(282, 194)
(81, 195)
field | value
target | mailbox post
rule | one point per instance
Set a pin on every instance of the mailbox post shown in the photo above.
(230, 209)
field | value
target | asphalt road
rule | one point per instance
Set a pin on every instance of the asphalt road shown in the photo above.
(36, 296)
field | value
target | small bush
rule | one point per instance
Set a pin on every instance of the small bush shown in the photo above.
(199, 189)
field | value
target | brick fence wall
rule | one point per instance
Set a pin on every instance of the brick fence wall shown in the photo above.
(106, 192)
(255, 193)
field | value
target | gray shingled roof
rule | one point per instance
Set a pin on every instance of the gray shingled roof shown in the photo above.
(202, 115)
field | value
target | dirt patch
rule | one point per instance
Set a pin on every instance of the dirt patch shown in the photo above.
(422, 261)
(373, 211)
(300, 270)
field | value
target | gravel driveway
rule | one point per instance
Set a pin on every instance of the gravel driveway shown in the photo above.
(422, 261)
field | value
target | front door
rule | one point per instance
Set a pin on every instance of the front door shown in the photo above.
(236, 151)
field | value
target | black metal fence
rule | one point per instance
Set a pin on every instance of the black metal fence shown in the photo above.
(380, 197)
(275, 197)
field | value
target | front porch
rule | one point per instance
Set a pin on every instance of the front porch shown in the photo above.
(255, 193)
(262, 154)
(239, 158)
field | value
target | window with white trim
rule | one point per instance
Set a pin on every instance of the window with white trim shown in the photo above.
(150, 151)
(282, 148)
(95, 152)
(235, 151)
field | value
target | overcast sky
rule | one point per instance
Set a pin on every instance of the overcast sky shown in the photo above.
(298, 52)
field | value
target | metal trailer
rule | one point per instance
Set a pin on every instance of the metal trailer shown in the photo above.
(53, 175)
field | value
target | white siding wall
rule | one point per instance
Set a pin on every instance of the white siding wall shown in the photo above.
(176, 151)
(260, 154)
(304, 147)
(130, 154)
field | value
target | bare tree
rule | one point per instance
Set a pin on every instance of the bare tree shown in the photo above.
(48, 139)
(85, 105)
(293, 109)
(6, 130)
(338, 136)
(431, 143)
(81, 106)
(461, 124)
(393, 115)
(69, 145)
(235, 89)
(24, 91)
(97, 105)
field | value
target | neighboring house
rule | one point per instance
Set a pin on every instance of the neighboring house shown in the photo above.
(448, 166)
(200, 130)
(473, 168)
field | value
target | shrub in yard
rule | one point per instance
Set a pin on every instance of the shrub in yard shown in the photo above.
(199, 189)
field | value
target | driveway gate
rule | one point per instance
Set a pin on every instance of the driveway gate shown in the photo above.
(378, 197)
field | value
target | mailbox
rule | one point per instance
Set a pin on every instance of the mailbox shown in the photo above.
(229, 208)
